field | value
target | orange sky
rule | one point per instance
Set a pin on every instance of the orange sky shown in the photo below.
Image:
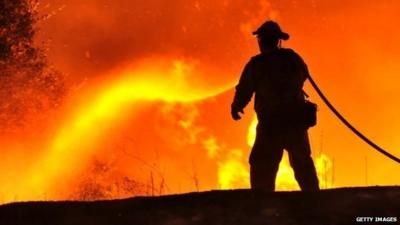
(184, 131)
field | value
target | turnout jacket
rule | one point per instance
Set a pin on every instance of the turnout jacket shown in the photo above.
(277, 80)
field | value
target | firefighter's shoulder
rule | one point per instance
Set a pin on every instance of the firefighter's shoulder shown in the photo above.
(256, 58)
(289, 51)
(292, 53)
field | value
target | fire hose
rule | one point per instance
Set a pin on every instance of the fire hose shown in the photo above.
(348, 124)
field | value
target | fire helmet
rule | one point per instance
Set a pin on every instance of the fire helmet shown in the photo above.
(271, 29)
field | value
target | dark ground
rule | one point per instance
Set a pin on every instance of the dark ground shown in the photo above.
(336, 206)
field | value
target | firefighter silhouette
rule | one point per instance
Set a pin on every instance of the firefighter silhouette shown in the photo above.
(276, 76)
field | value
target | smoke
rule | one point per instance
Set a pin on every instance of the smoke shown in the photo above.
(94, 36)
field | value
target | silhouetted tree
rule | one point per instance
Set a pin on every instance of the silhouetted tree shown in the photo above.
(28, 85)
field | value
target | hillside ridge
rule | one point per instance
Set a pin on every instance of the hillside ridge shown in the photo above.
(331, 206)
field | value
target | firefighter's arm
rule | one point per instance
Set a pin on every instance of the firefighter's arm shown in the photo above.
(244, 91)
(302, 66)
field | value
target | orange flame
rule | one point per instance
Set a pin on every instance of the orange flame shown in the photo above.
(76, 138)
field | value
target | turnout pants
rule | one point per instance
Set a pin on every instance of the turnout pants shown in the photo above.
(267, 153)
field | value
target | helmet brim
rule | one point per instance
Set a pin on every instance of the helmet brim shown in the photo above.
(281, 35)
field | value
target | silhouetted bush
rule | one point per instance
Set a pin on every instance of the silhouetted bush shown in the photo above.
(102, 181)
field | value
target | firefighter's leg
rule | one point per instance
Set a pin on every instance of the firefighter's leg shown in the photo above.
(264, 160)
(299, 150)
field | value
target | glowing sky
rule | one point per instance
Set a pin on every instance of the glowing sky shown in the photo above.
(351, 47)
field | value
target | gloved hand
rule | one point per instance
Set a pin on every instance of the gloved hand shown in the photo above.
(235, 113)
